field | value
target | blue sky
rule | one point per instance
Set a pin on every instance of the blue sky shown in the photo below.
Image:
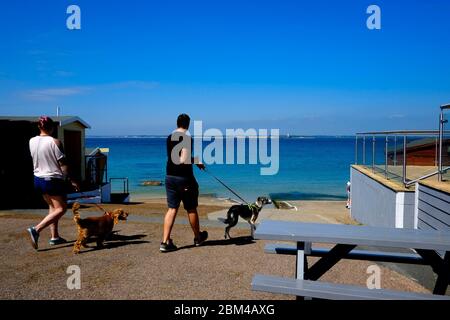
(306, 67)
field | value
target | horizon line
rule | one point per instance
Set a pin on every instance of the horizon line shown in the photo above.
(165, 135)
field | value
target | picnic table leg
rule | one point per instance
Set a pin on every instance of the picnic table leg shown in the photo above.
(443, 279)
(301, 267)
(440, 266)
(338, 252)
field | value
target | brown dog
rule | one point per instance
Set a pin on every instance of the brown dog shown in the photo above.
(100, 227)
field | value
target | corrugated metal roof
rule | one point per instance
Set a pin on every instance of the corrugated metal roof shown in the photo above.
(63, 120)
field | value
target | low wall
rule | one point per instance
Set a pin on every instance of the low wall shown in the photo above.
(375, 204)
(432, 209)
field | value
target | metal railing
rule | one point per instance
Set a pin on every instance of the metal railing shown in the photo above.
(407, 155)
(125, 184)
(96, 172)
(390, 151)
(443, 165)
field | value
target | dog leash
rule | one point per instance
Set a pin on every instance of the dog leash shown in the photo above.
(100, 208)
(96, 204)
(229, 189)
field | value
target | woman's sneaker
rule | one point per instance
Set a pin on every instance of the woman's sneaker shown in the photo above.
(167, 247)
(34, 237)
(54, 242)
(202, 238)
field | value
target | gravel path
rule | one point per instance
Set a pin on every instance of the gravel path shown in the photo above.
(131, 266)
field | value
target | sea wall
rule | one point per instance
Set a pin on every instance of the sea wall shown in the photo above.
(375, 204)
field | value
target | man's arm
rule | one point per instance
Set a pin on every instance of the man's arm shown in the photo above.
(184, 156)
(197, 162)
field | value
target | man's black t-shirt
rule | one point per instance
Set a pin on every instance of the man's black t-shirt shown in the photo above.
(179, 170)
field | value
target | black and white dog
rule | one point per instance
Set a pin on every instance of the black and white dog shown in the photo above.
(248, 212)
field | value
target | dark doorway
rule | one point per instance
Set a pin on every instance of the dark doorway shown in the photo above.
(72, 148)
(16, 166)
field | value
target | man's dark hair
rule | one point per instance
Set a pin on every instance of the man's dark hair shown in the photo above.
(183, 121)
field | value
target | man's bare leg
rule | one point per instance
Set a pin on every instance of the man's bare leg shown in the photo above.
(169, 220)
(194, 221)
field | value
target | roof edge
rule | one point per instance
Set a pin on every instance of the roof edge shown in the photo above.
(75, 119)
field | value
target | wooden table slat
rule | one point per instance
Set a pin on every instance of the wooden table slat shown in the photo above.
(353, 235)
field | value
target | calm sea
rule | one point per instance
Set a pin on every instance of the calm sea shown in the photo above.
(311, 168)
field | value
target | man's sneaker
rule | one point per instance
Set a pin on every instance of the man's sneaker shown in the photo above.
(167, 247)
(54, 242)
(203, 237)
(34, 237)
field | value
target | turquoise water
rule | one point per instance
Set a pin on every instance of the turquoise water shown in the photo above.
(310, 168)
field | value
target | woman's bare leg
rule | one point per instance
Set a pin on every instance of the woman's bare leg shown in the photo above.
(41, 226)
(54, 230)
(57, 208)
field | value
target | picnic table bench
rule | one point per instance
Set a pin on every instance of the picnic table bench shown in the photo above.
(425, 246)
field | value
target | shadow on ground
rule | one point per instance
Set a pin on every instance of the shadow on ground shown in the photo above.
(115, 240)
(90, 206)
(238, 241)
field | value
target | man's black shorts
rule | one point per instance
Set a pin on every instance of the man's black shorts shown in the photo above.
(182, 189)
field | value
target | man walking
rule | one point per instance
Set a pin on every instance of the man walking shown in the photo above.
(181, 185)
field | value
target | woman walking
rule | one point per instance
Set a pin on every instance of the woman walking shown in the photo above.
(50, 175)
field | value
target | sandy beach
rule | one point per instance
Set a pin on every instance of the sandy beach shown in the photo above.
(131, 266)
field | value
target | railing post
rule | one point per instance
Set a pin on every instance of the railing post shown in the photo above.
(395, 151)
(436, 161)
(404, 160)
(364, 150)
(441, 134)
(386, 158)
(373, 154)
(356, 150)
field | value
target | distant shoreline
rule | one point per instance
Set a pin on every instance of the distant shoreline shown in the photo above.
(142, 197)
(283, 136)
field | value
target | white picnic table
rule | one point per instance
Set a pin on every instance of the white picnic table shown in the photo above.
(427, 247)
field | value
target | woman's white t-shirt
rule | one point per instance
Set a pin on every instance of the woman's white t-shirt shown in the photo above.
(46, 154)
